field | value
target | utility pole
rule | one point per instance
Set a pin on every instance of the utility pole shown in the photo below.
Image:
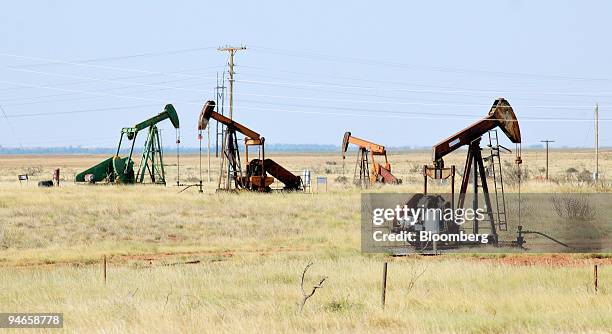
(220, 105)
(232, 51)
(547, 141)
(596, 141)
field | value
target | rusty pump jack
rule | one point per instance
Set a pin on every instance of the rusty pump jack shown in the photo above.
(255, 176)
(500, 115)
(379, 173)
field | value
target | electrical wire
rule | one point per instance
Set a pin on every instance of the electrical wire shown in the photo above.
(395, 65)
(77, 64)
(79, 111)
(350, 101)
(264, 109)
(8, 122)
(138, 55)
(197, 69)
(412, 90)
(384, 82)
(462, 91)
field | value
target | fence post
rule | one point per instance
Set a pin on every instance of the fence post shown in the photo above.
(104, 270)
(384, 285)
(595, 278)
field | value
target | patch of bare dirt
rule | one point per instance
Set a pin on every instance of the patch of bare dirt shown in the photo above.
(553, 260)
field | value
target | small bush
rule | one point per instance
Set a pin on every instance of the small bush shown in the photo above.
(340, 305)
(512, 174)
(573, 175)
(571, 170)
(415, 168)
(585, 176)
(341, 179)
(32, 171)
(573, 207)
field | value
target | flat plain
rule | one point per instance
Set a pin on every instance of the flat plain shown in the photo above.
(221, 262)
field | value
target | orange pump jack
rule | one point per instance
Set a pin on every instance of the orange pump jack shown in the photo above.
(379, 173)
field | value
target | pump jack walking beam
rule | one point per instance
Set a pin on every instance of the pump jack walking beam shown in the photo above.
(208, 113)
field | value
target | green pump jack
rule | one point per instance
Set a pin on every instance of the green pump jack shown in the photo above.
(121, 170)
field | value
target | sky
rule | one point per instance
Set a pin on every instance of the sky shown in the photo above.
(400, 73)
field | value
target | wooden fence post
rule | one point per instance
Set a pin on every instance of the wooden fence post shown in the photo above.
(384, 285)
(595, 278)
(104, 269)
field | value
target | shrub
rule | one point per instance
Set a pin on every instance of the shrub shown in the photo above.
(512, 174)
(574, 207)
(341, 179)
(585, 176)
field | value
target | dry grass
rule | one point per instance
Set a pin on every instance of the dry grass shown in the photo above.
(252, 249)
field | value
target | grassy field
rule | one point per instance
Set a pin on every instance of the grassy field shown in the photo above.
(207, 262)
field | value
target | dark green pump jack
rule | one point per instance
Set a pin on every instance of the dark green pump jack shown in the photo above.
(121, 170)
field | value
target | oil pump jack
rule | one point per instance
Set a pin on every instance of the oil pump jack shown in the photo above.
(255, 176)
(121, 170)
(379, 173)
(500, 116)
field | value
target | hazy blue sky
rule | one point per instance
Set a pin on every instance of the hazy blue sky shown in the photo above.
(400, 73)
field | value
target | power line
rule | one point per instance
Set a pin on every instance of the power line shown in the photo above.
(98, 79)
(322, 85)
(596, 142)
(335, 107)
(232, 52)
(10, 126)
(138, 55)
(37, 99)
(96, 66)
(281, 83)
(199, 103)
(422, 104)
(78, 111)
(410, 116)
(547, 141)
(335, 58)
(335, 76)
(70, 83)
(462, 91)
